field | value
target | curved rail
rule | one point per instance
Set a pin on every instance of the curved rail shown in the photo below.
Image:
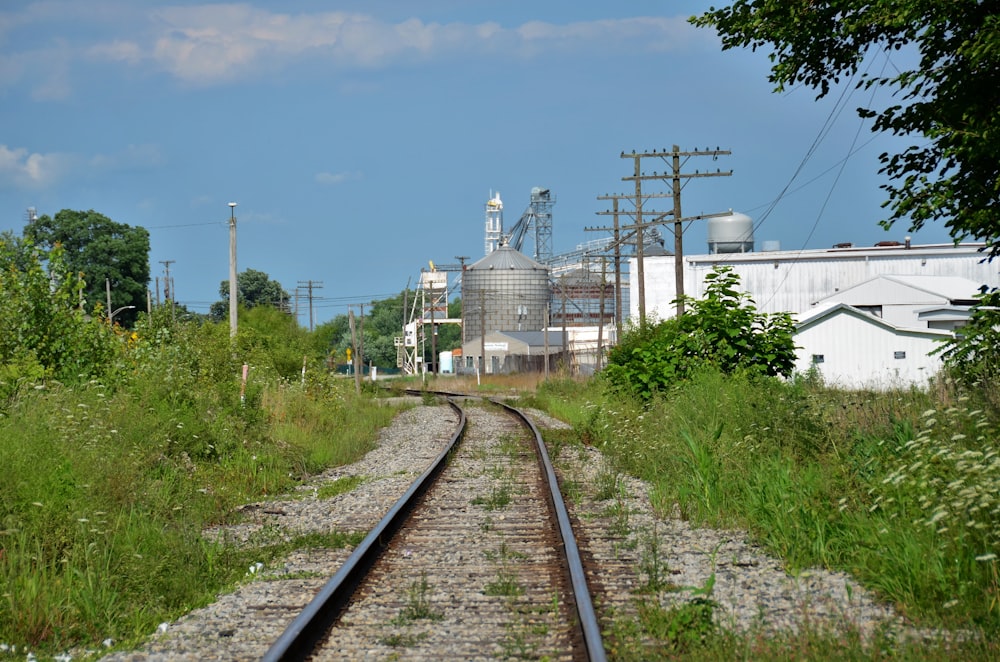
(308, 628)
(591, 630)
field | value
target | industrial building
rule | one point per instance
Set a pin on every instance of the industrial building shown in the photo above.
(516, 309)
(794, 281)
(865, 316)
(914, 296)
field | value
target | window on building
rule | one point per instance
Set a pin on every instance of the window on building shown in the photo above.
(899, 355)
(818, 358)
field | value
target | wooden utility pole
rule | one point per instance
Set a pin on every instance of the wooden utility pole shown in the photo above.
(354, 346)
(674, 177)
(168, 291)
(309, 285)
(600, 324)
(638, 235)
(482, 331)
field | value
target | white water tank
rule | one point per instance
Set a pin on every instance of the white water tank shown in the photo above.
(732, 233)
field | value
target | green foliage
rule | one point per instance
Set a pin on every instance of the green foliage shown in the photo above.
(723, 330)
(45, 333)
(101, 251)
(946, 479)
(972, 356)
(106, 488)
(874, 483)
(253, 288)
(951, 174)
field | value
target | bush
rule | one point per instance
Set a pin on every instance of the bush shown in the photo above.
(723, 330)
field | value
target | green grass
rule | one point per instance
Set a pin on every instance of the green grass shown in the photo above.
(104, 494)
(900, 489)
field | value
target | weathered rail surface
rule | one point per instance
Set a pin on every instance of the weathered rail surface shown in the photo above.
(483, 569)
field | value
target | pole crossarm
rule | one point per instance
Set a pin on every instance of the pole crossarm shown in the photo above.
(666, 175)
(672, 177)
(676, 152)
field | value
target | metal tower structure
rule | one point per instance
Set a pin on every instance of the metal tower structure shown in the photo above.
(537, 216)
(494, 222)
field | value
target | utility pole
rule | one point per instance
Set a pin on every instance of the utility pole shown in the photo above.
(461, 261)
(638, 235)
(167, 285)
(310, 285)
(674, 177)
(600, 323)
(232, 270)
(354, 345)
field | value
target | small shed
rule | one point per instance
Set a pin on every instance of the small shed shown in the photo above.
(513, 351)
(855, 349)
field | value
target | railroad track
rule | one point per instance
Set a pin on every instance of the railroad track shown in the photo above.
(477, 560)
(476, 577)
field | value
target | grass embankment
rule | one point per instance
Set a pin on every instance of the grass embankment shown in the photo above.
(900, 489)
(105, 492)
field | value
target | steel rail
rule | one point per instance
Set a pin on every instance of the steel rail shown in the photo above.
(299, 639)
(588, 623)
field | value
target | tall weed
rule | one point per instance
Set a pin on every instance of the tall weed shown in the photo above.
(900, 488)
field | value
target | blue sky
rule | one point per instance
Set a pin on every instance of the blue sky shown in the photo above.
(362, 139)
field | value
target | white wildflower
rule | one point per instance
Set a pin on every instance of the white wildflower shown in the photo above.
(939, 515)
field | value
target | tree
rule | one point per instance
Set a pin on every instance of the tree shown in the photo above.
(948, 103)
(45, 333)
(103, 251)
(972, 357)
(253, 288)
(723, 331)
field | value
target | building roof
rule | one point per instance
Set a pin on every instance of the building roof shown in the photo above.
(506, 257)
(814, 317)
(533, 338)
(851, 253)
(888, 289)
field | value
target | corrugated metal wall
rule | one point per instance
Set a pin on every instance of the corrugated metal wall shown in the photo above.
(791, 281)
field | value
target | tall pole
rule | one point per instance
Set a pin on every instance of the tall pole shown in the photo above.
(640, 240)
(434, 345)
(618, 274)
(674, 177)
(678, 232)
(309, 285)
(168, 288)
(232, 270)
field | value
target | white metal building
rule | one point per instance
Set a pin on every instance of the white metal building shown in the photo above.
(867, 317)
(793, 281)
(854, 349)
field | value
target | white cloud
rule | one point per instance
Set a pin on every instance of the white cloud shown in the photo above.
(215, 43)
(21, 169)
(335, 178)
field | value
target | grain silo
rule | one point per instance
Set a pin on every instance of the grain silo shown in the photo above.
(504, 291)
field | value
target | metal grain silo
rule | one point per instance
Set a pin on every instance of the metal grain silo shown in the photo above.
(504, 291)
(732, 233)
